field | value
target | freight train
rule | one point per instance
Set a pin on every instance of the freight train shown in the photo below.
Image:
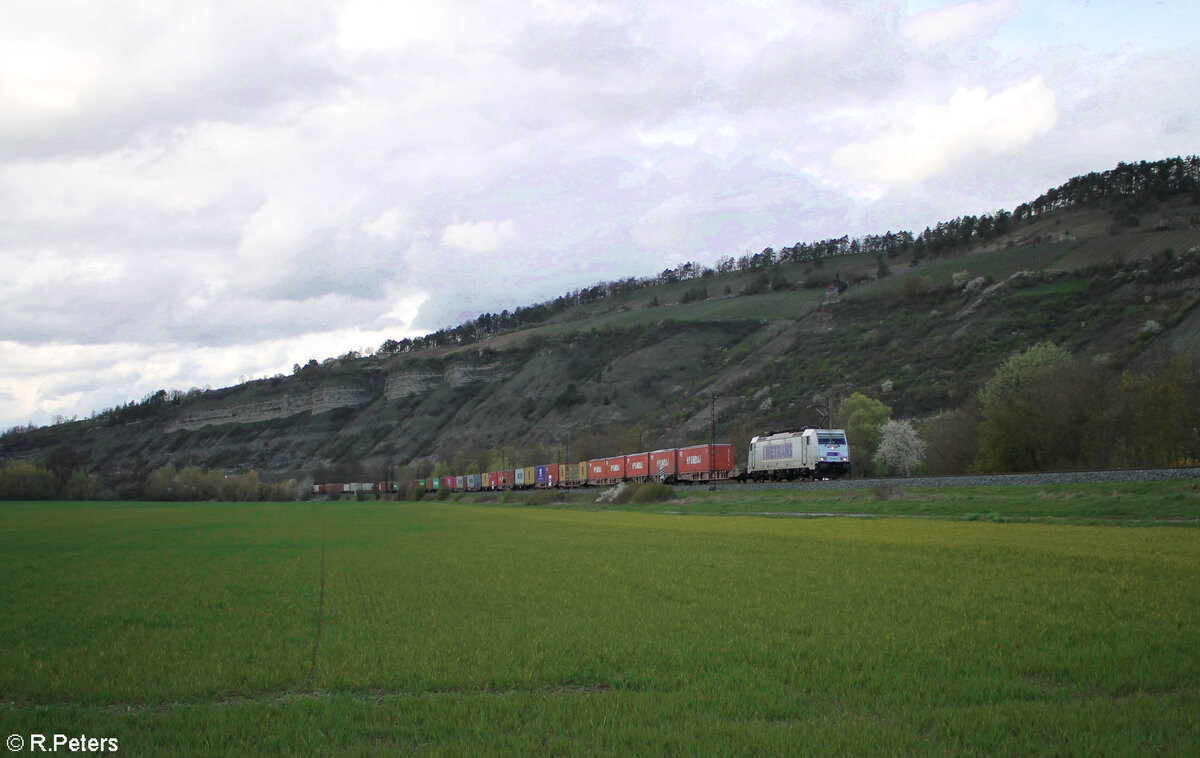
(807, 453)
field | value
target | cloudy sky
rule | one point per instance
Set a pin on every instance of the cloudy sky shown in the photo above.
(195, 192)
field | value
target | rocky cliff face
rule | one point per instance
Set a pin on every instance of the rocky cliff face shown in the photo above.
(403, 384)
(257, 411)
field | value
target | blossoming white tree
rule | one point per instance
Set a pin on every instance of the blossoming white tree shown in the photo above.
(900, 448)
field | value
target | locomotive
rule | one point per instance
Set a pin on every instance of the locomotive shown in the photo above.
(808, 453)
(804, 454)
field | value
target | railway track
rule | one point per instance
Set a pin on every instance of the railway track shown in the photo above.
(982, 480)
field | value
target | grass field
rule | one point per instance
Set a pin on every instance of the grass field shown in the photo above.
(455, 629)
(999, 264)
(1129, 503)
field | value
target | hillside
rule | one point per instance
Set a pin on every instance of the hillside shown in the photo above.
(645, 368)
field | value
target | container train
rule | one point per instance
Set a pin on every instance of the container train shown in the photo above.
(807, 453)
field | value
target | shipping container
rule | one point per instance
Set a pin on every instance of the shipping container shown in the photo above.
(606, 471)
(574, 474)
(530, 476)
(614, 469)
(553, 478)
(637, 466)
(664, 464)
(705, 462)
(493, 480)
(471, 482)
(519, 477)
(507, 478)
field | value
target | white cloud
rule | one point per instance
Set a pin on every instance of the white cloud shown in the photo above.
(405, 307)
(375, 25)
(675, 137)
(387, 225)
(933, 137)
(665, 226)
(480, 236)
(954, 22)
(274, 232)
(40, 79)
(47, 269)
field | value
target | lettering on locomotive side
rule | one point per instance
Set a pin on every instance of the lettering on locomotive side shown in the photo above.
(777, 452)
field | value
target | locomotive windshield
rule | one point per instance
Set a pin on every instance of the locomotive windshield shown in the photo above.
(831, 439)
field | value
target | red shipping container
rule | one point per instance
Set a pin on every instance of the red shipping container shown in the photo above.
(637, 466)
(596, 471)
(614, 469)
(508, 479)
(702, 462)
(664, 464)
(552, 477)
(494, 479)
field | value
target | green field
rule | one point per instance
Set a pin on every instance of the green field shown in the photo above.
(456, 629)
(1129, 503)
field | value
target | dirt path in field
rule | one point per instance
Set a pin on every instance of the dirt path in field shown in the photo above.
(312, 666)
